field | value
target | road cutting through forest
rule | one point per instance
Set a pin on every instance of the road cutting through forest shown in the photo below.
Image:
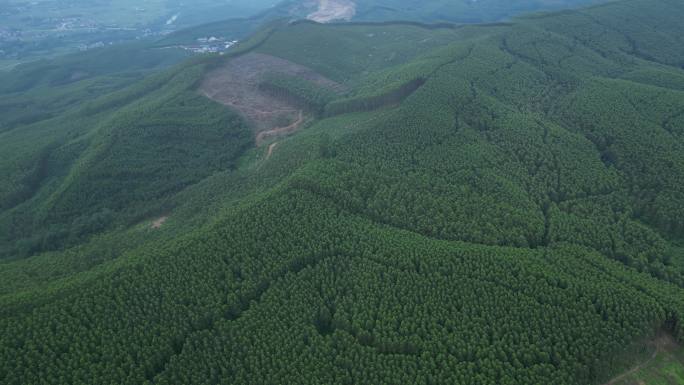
(280, 130)
(271, 147)
(662, 343)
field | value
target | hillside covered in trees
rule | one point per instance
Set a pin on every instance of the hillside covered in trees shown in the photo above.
(363, 11)
(484, 204)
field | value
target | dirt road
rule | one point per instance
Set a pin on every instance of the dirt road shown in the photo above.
(663, 343)
(271, 147)
(279, 131)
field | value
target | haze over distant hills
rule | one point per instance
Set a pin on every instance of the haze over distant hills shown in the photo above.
(30, 30)
(336, 11)
(33, 29)
(458, 11)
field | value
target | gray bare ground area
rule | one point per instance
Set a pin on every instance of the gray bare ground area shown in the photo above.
(236, 84)
(332, 10)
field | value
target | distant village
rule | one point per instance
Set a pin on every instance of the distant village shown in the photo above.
(210, 45)
(7, 34)
(89, 34)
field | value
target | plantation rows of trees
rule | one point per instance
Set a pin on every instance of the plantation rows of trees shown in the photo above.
(295, 276)
(514, 219)
(388, 98)
(110, 148)
(348, 53)
(125, 161)
(308, 95)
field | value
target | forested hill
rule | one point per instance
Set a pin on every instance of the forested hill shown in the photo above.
(341, 11)
(486, 204)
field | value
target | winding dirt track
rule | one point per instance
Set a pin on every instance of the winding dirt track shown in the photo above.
(279, 131)
(663, 343)
(271, 147)
(633, 370)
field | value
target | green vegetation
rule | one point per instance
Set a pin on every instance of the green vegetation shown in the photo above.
(110, 161)
(664, 365)
(33, 30)
(366, 48)
(71, 68)
(460, 11)
(407, 12)
(302, 92)
(485, 205)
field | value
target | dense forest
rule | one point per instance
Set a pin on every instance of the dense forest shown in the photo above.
(480, 204)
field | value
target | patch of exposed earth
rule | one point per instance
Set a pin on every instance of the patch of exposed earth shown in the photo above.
(270, 149)
(236, 84)
(280, 131)
(332, 10)
(159, 222)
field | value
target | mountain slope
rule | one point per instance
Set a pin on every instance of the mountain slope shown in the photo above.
(512, 218)
(340, 11)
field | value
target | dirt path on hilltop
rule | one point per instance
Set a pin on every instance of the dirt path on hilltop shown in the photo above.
(633, 370)
(663, 343)
(280, 131)
(271, 147)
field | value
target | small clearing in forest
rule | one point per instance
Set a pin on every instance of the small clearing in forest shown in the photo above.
(332, 10)
(159, 222)
(664, 366)
(236, 84)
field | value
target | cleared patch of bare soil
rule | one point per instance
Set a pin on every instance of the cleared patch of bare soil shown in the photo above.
(332, 10)
(271, 147)
(236, 84)
(280, 131)
(159, 222)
